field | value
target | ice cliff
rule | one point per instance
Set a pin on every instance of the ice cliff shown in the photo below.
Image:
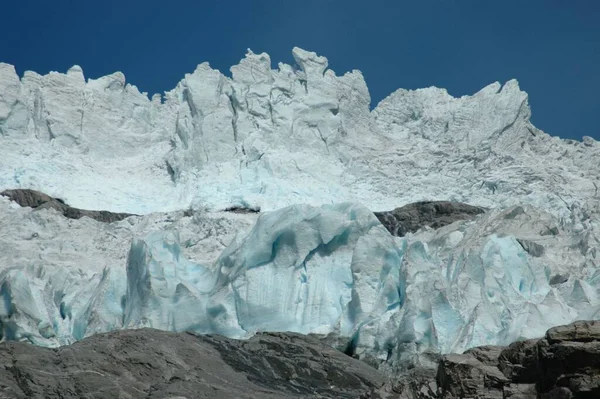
(270, 138)
(301, 145)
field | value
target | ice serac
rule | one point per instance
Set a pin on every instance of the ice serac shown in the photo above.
(479, 286)
(268, 138)
(250, 133)
(330, 269)
(301, 269)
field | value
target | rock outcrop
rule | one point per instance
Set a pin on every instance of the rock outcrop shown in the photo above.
(435, 214)
(37, 200)
(149, 363)
(563, 364)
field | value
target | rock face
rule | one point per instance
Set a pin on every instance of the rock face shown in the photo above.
(563, 364)
(464, 375)
(435, 214)
(149, 363)
(37, 200)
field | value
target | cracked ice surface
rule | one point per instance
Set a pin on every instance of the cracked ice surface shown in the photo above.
(301, 269)
(329, 270)
(269, 138)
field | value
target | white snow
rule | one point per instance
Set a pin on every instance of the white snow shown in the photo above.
(301, 142)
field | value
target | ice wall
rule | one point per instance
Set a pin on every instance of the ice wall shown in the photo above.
(268, 138)
(331, 270)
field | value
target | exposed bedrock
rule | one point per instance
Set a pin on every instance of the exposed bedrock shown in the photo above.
(435, 214)
(148, 363)
(37, 200)
(563, 364)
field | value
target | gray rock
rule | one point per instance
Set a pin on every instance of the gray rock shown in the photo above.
(37, 200)
(488, 354)
(435, 214)
(519, 361)
(520, 391)
(534, 249)
(579, 331)
(242, 210)
(564, 364)
(464, 376)
(417, 383)
(557, 393)
(150, 364)
(571, 365)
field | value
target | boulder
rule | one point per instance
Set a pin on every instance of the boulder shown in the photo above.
(463, 376)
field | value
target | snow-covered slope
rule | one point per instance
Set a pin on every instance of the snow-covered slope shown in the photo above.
(300, 142)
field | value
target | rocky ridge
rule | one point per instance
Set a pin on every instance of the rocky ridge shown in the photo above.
(37, 200)
(147, 363)
(565, 363)
(433, 214)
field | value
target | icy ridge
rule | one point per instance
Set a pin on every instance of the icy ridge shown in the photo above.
(269, 138)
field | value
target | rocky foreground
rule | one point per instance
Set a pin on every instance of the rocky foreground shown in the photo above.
(563, 364)
(149, 363)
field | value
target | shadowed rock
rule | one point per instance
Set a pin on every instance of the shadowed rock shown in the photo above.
(37, 200)
(534, 249)
(435, 214)
(558, 279)
(464, 376)
(243, 210)
(149, 363)
(563, 364)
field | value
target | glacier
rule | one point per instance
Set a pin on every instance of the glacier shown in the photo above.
(302, 146)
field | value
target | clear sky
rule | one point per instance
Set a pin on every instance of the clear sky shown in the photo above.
(552, 47)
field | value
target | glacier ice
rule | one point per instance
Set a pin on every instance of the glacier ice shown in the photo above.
(300, 269)
(330, 270)
(267, 138)
(301, 144)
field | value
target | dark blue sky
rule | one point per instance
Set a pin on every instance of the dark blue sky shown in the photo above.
(552, 47)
